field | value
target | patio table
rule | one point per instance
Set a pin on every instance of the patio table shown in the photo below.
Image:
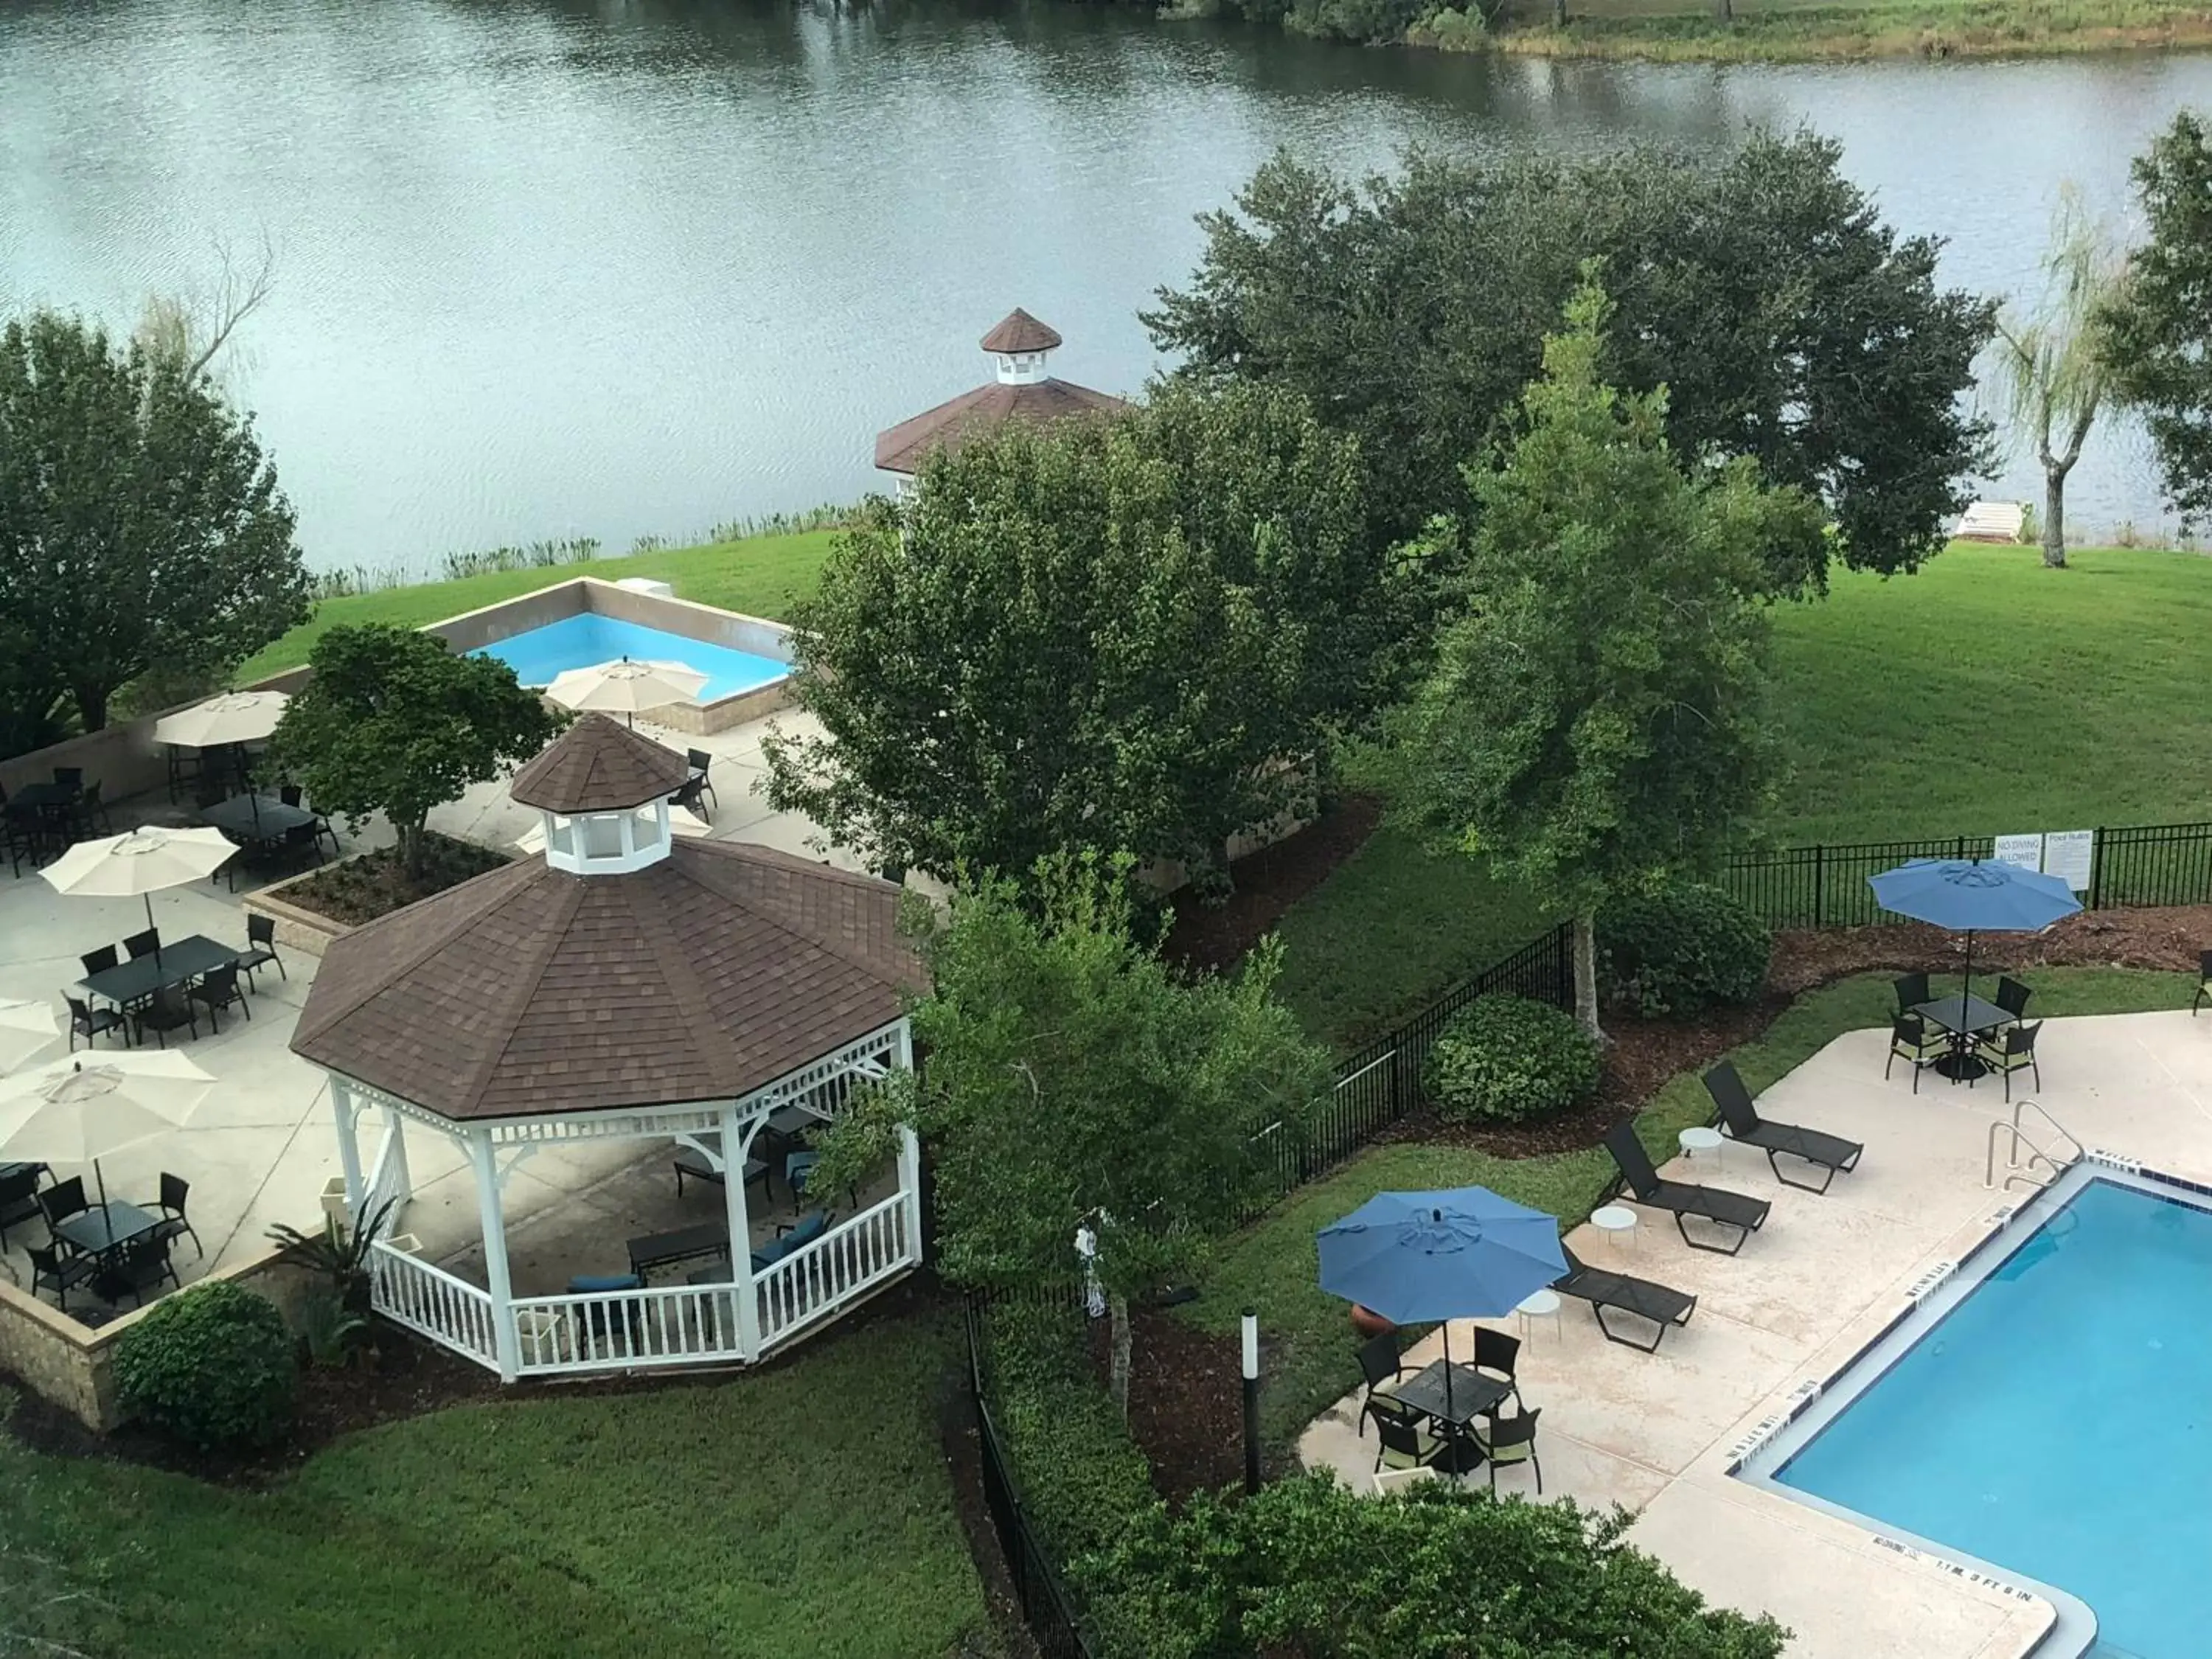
(41, 797)
(179, 962)
(1472, 1394)
(255, 817)
(1965, 1017)
(105, 1227)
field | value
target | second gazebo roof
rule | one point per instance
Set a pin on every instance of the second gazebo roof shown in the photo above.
(599, 766)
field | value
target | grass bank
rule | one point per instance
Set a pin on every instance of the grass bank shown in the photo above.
(805, 1513)
(1782, 31)
(760, 575)
(1985, 695)
(1273, 1267)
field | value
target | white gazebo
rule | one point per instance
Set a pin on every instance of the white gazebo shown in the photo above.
(624, 984)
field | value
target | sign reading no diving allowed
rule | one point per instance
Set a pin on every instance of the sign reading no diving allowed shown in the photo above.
(2065, 852)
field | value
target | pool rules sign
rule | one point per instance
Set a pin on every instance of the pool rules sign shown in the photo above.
(2069, 853)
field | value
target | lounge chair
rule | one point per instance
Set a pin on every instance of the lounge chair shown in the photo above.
(1739, 1121)
(1662, 1307)
(2204, 983)
(790, 1238)
(1741, 1214)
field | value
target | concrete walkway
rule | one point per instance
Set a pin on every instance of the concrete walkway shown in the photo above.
(262, 1147)
(1653, 1432)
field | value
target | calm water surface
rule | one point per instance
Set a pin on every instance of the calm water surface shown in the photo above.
(613, 267)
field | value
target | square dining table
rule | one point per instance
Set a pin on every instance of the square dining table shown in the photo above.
(1471, 1393)
(106, 1227)
(1965, 1017)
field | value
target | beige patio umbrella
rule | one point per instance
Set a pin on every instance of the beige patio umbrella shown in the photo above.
(681, 819)
(25, 1028)
(139, 862)
(80, 1110)
(625, 687)
(234, 717)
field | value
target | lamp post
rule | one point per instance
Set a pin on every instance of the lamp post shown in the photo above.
(1251, 1403)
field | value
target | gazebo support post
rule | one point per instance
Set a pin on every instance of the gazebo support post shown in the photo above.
(505, 1340)
(737, 1143)
(347, 1111)
(909, 1157)
(400, 1177)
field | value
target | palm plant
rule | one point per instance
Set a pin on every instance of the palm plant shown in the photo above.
(339, 1255)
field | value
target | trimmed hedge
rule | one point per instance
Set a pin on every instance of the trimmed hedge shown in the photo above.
(213, 1366)
(1083, 1480)
(1505, 1058)
(1676, 948)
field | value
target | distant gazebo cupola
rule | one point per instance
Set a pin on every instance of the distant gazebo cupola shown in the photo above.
(623, 985)
(1022, 390)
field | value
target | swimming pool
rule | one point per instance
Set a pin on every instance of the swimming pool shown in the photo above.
(540, 653)
(2056, 1421)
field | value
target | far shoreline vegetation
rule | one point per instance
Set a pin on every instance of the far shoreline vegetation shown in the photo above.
(1742, 31)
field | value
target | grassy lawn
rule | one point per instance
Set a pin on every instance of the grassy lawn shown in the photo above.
(802, 1514)
(1893, 698)
(760, 576)
(1271, 1267)
(1782, 30)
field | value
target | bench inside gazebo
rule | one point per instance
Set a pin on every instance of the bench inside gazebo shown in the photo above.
(623, 985)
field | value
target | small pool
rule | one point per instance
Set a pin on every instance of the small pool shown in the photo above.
(2056, 1422)
(579, 641)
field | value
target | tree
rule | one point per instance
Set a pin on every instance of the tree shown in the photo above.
(141, 526)
(1596, 711)
(2051, 377)
(394, 722)
(1789, 324)
(1132, 635)
(2159, 330)
(1072, 1081)
(1307, 1566)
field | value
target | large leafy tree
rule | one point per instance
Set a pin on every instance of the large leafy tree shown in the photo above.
(1310, 1568)
(1074, 1080)
(2159, 330)
(394, 722)
(1596, 713)
(1789, 324)
(140, 526)
(1132, 635)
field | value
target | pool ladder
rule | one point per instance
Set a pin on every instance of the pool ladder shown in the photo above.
(2030, 1161)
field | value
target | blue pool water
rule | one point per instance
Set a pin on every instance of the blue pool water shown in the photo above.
(580, 641)
(2058, 1422)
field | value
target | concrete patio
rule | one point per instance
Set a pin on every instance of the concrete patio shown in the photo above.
(1654, 1432)
(261, 1149)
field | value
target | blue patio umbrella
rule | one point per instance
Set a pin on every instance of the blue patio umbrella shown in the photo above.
(1423, 1258)
(1971, 895)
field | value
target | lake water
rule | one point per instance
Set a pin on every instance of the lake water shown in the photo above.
(554, 267)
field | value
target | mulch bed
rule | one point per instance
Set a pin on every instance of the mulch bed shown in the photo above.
(1268, 883)
(376, 884)
(1185, 1400)
(2167, 938)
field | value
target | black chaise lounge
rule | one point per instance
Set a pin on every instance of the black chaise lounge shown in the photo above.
(1662, 1307)
(1740, 1119)
(1742, 1214)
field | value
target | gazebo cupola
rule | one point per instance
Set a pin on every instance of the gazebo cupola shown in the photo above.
(602, 792)
(1020, 346)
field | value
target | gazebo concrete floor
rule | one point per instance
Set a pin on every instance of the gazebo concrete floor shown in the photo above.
(1652, 1432)
(261, 1148)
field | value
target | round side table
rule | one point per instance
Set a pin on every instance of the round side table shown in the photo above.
(1539, 1304)
(1700, 1139)
(1617, 1221)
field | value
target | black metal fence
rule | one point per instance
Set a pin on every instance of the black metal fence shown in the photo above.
(1826, 887)
(1045, 1607)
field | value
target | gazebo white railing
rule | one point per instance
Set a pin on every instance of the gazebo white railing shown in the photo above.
(730, 1323)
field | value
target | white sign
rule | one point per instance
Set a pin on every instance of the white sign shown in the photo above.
(2026, 851)
(2070, 854)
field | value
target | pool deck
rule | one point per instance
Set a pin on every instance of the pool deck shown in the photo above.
(1658, 1433)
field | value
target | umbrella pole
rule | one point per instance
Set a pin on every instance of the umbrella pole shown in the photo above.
(1447, 1403)
(156, 932)
(101, 1181)
(1967, 988)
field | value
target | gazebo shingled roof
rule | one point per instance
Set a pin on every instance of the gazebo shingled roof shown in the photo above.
(600, 765)
(530, 991)
(1020, 332)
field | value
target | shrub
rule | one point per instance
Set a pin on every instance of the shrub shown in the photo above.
(1677, 948)
(1082, 1477)
(1308, 1566)
(212, 1365)
(1505, 1059)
